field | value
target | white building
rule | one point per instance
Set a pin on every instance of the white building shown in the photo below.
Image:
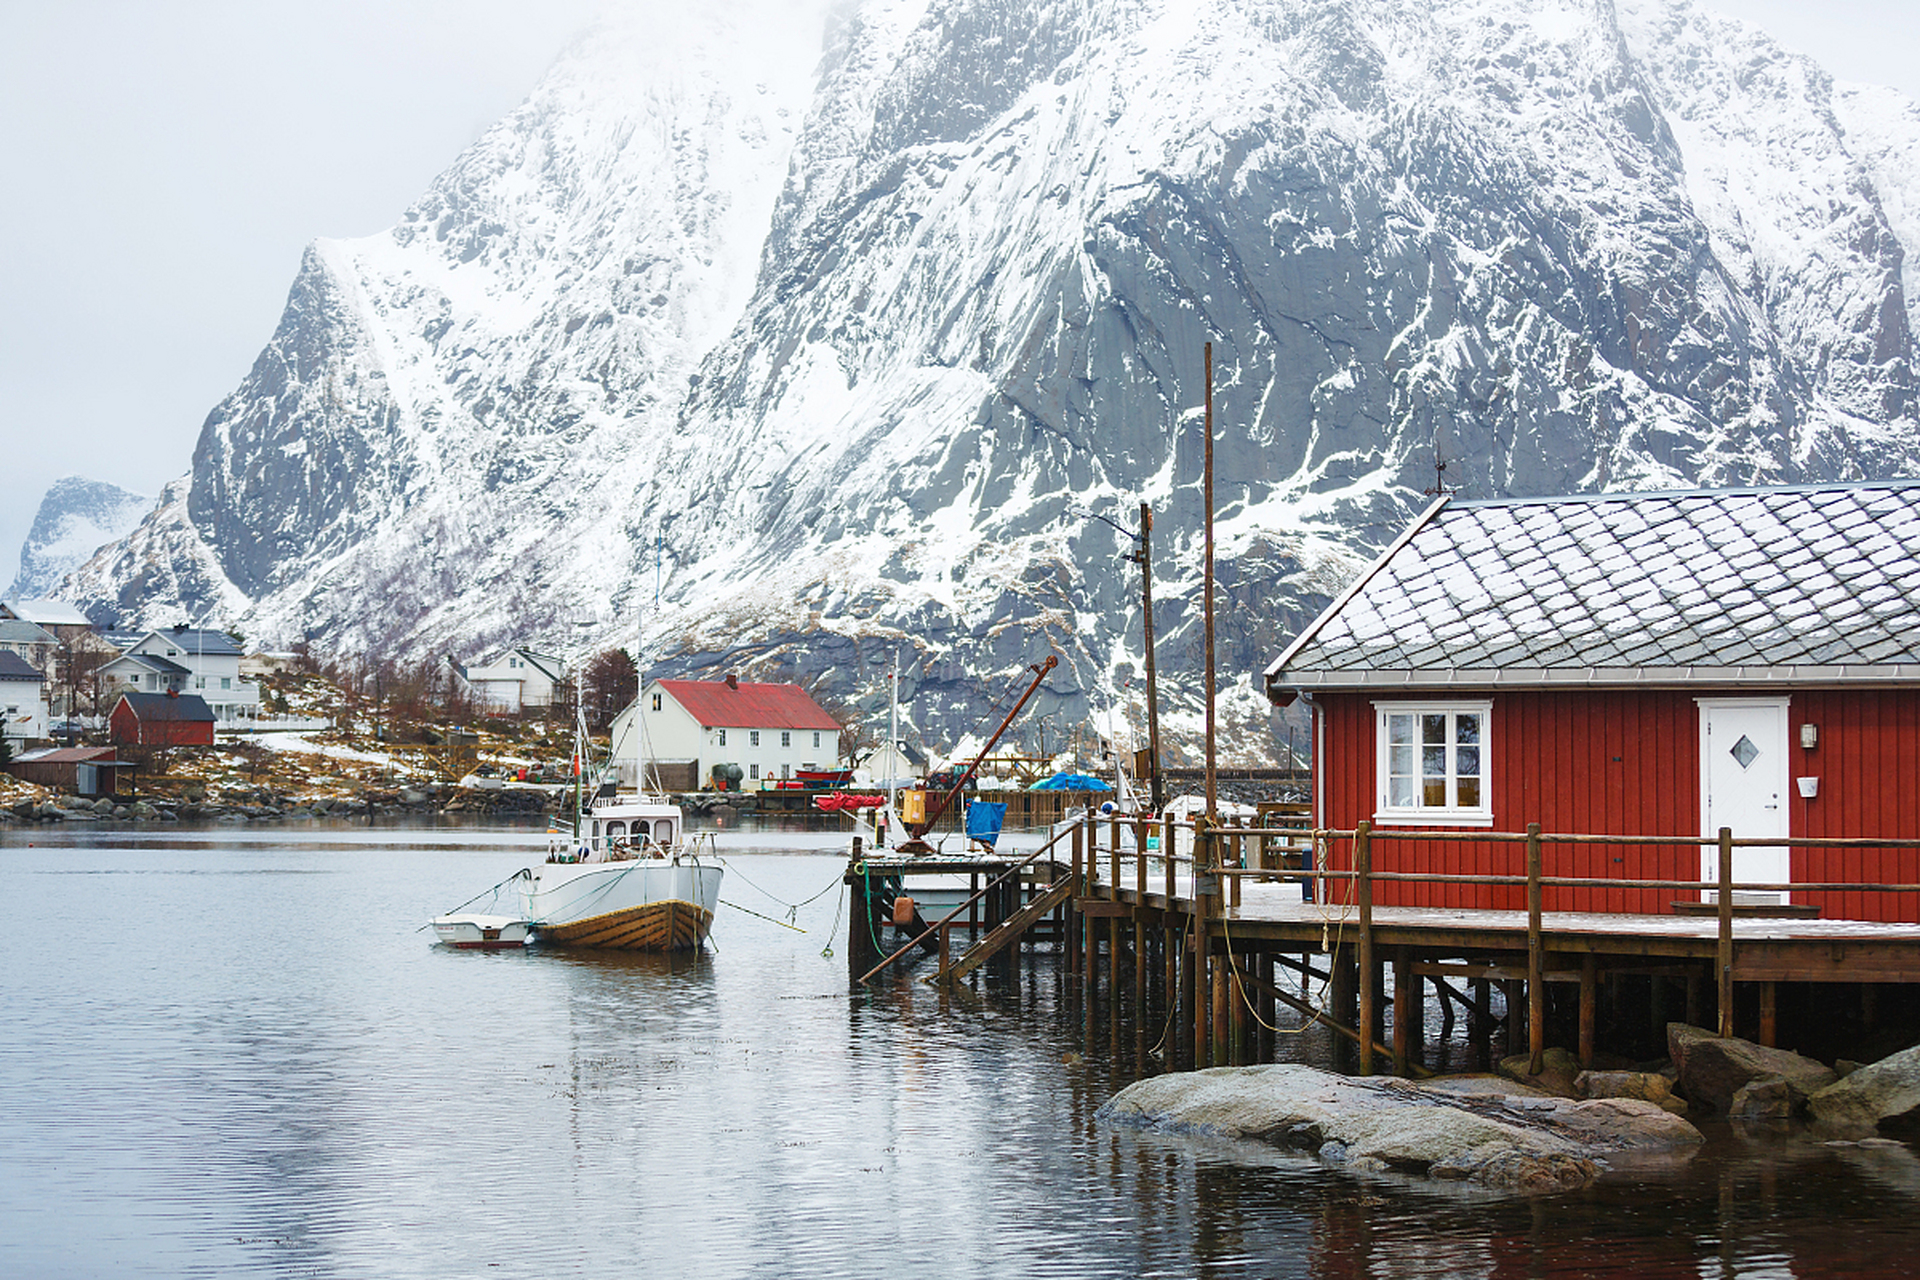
(771, 731)
(517, 680)
(187, 660)
(23, 699)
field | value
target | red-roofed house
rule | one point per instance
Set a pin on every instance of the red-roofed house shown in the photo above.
(768, 730)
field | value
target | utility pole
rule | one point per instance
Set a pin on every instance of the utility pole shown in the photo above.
(1144, 557)
(1213, 803)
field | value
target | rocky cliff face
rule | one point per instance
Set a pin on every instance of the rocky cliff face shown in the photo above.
(821, 362)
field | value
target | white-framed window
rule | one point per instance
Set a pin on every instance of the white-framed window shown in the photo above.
(816, 737)
(723, 737)
(753, 737)
(753, 772)
(786, 737)
(1432, 763)
(656, 707)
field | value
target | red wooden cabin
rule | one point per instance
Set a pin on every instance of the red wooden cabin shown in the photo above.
(160, 720)
(1630, 664)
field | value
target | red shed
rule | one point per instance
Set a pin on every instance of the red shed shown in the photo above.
(161, 720)
(1630, 664)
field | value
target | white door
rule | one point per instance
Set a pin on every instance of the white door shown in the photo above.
(1743, 786)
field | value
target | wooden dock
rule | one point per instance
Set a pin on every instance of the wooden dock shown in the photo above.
(1212, 925)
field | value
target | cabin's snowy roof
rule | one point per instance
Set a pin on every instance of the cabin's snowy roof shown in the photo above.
(1809, 584)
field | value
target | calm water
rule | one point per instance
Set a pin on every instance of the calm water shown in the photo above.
(230, 1052)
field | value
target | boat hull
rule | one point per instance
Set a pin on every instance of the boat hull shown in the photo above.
(637, 905)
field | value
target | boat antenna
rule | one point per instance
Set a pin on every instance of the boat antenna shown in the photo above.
(893, 737)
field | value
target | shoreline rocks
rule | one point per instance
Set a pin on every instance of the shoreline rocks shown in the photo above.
(1519, 1140)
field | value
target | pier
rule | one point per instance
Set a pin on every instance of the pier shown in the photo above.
(1224, 932)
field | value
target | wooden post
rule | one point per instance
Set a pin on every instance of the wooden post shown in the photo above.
(862, 954)
(1589, 976)
(1075, 956)
(1363, 893)
(1403, 1002)
(1723, 958)
(1156, 789)
(1204, 882)
(1343, 991)
(1536, 960)
(1769, 1013)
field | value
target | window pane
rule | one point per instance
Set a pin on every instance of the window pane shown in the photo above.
(1434, 794)
(1433, 729)
(1433, 762)
(1466, 728)
(1469, 792)
(1466, 762)
(1402, 793)
(1399, 729)
(1400, 761)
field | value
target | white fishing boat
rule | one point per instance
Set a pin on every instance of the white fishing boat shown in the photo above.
(631, 879)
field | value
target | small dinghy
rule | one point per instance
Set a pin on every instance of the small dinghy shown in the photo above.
(472, 930)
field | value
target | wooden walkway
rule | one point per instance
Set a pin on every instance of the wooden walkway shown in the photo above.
(1120, 899)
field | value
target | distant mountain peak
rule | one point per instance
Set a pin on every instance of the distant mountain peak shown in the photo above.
(76, 518)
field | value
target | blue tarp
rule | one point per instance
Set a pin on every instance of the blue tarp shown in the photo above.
(1071, 782)
(984, 819)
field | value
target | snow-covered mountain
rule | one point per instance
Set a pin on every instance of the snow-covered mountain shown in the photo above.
(76, 518)
(852, 340)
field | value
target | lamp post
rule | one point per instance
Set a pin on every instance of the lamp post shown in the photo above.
(1142, 555)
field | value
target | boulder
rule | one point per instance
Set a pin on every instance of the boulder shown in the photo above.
(1713, 1069)
(1645, 1086)
(1886, 1093)
(1516, 1141)
(1558, 1072)
(1768, 1099)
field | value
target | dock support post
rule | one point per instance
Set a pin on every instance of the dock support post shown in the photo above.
(1204, 888)
(1723, 956)
(1369, 984)
(1076, 958)
(862, 952)
(1536, 960)
(1589, 981)
(1266, 1048)
(1405, 998)
(1769, 1013)
(1343, 998)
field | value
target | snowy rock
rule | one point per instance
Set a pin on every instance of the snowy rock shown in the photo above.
(1520, 1141)
(76, 518)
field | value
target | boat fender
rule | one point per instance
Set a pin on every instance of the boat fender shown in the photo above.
(902, 911)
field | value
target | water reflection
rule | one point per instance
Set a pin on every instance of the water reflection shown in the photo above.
(230, 1055)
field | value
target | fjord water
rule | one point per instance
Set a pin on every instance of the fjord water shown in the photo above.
(231, 1051)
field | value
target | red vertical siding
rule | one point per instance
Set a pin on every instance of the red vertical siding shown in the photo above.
(1868, 764)
(1608, 763)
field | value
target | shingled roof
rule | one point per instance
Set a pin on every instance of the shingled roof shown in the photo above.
(1739, 587)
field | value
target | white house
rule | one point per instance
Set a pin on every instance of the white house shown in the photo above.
(23, 699)
(771, 731)
(34, 644)
(517, 680)
(187, 660)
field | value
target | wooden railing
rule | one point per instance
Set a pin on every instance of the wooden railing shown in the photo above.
(1219, 865)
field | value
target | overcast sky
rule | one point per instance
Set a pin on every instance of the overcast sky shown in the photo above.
(166, 161)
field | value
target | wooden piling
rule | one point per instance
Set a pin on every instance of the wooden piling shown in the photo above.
(1723, 959)
(1536, 959)
(1363, 892)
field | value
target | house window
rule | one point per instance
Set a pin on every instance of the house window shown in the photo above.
(786, 771)
(753, 737)
(1432, 763)
(226, 682)
(816, 738)
(786, 738)
(723, 736)
(753, 771)
(656, 707)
